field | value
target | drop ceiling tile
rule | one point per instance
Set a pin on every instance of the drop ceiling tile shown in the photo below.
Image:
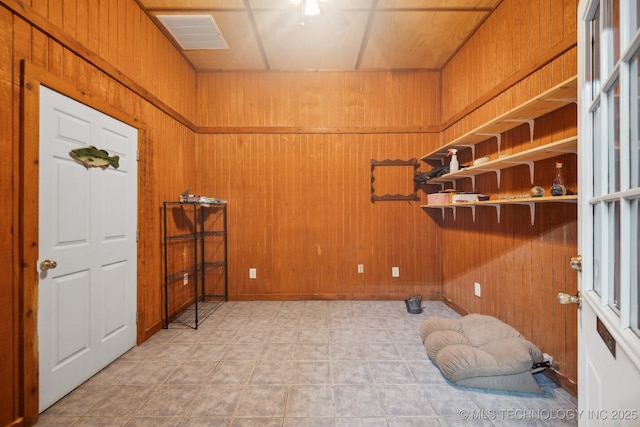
(329, 41)
(267, 35)
(182, 5)
(417, 39)
(438, 4)
(243, 53)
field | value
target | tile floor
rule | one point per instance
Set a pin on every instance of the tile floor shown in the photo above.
(293, 364)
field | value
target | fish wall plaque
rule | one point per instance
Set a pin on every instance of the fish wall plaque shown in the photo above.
(91, 157)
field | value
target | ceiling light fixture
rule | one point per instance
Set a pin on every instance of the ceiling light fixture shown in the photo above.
(311, 8)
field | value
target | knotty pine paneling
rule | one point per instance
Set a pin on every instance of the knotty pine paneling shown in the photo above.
(121, 34)
(535, 83)
(163, 130)
(521, 267)
(300, 208)
(319, 100)
(9, 284)
(109, 30)
(299, 200)
(172, 170)
(83, 49)
(489, 59)
(300, 213)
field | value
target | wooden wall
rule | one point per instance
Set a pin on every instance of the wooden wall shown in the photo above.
(110, 56)
(521, 267)
(9, 277)
(291, 152)
(518, 39)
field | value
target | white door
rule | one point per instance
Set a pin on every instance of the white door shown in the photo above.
(87, 227)
(609, 212)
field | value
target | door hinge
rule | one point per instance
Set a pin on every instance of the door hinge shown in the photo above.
(137, 235)
(137, 317)
(576, 263)
(138, 155)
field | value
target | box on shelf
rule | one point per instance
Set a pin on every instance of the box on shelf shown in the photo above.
(465, 198)
(440, 198)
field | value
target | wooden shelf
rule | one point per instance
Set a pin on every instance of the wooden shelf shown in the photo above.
(528, 157)
(497, 203)
(553, 99)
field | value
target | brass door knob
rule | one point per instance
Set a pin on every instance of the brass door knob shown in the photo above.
(564, 298)
(48, 265)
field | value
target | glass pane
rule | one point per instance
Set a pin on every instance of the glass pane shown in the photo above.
(634, 140)
(635, 273)
(614, 139)
(597, 157)
(612, 31)
(595, 53)
(616, 30)
(614, 256)
(597, 248)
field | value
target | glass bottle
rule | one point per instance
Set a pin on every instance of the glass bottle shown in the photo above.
(558, 188)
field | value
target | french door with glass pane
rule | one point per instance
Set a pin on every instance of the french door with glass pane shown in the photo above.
(609, 214)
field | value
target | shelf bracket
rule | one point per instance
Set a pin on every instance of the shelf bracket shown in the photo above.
(441, 184)
(454, 213)
(473, 150)
(531, 125)
(473, 182)
(498, 176)
(498, 137)
(497, 206)
(452, 181)
(532, 210)
(453, 208)
(531, 170)
(473, 212)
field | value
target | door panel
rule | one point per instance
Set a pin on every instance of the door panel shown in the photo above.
(71, 336)
(608, 341)
(87, 225)
(592, 382)
(115, 300)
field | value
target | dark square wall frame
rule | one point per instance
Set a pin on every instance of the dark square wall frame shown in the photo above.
(390, 196)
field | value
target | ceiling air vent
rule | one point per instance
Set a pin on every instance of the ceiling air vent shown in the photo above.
(194, 31)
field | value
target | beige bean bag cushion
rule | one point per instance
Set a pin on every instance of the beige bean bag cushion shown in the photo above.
(481, 351)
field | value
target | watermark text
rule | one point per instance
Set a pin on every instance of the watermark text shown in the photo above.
(521, 414)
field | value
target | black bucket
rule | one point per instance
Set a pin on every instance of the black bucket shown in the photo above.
(414, 304)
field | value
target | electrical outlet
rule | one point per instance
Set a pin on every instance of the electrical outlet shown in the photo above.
(185, 279)
(395, 271)
(252, 273)
(476, 289)
(360, 268)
